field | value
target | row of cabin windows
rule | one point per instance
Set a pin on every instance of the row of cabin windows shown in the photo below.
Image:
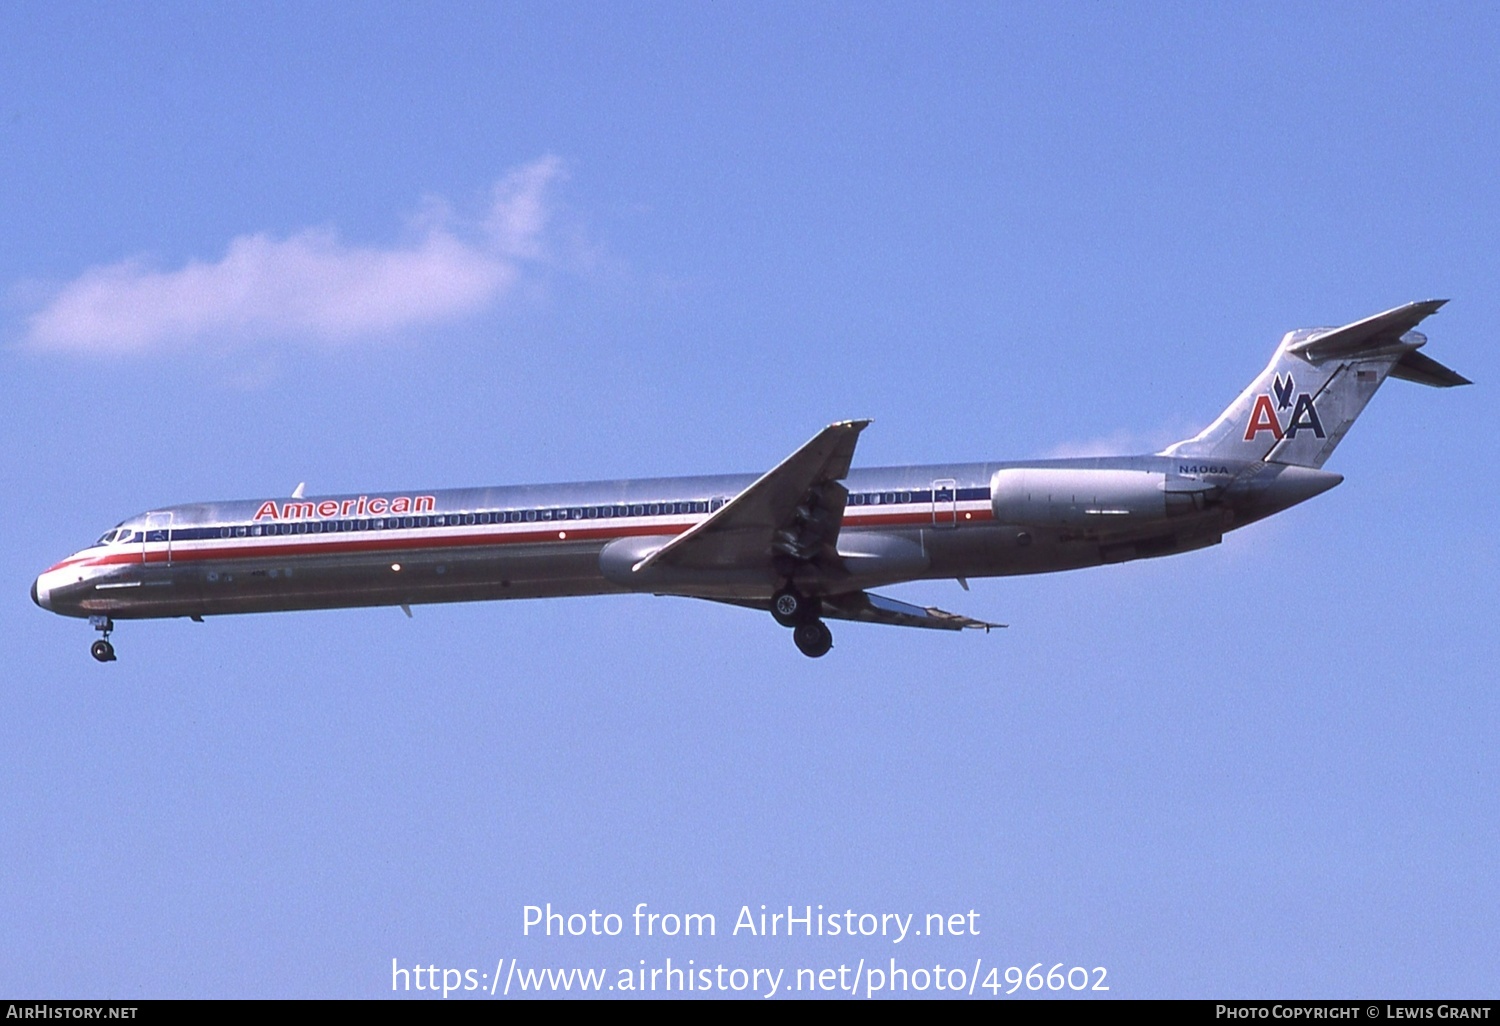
(515, 516)
(892, 498)
(901, 498)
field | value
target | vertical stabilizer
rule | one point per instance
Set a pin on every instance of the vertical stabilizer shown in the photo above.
(1318, 381)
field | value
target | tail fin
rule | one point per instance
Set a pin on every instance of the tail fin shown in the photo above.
(1315, 386)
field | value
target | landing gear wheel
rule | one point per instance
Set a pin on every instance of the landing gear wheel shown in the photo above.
(813, 639)
(791, 608)
(102, 650)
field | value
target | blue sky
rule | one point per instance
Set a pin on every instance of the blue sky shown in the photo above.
(390, 247)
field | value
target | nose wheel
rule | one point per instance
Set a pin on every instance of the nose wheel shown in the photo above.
(102, 649)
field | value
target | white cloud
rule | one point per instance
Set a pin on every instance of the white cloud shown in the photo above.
(310, 285)
(1122, 443)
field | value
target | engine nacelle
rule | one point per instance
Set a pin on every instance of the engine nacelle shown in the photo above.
(1100, 499)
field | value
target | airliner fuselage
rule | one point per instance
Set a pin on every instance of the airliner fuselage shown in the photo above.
(457, 545)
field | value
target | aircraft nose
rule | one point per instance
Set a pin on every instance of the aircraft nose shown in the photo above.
(40, 598)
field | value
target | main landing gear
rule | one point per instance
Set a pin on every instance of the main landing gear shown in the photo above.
(813, 639)
(791, 608)
(102, 650)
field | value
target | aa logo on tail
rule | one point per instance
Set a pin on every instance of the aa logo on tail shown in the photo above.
(1264, 416)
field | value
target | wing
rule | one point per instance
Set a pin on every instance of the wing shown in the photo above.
(794, 509)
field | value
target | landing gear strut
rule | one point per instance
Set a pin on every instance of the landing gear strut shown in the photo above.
(102, 650)
(791, 608)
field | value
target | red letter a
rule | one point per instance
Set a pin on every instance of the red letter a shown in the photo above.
(1263, 418)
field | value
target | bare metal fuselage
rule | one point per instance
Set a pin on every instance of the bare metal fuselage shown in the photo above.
(463, 545)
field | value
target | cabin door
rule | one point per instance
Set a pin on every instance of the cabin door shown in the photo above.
(156, 539)
(945, 502)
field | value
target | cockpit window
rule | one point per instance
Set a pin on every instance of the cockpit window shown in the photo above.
(116, 536)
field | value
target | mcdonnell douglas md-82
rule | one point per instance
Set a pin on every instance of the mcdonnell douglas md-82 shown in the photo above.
(805, 541)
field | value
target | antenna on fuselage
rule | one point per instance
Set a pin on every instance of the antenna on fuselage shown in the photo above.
(297, 492)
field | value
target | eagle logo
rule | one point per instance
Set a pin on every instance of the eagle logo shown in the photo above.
(1283, 388)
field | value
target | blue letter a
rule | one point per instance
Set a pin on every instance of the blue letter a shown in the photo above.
(1305, 416)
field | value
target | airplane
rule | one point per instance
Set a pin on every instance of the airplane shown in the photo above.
(805, 541)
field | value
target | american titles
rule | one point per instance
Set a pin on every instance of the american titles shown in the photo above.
(364, 506)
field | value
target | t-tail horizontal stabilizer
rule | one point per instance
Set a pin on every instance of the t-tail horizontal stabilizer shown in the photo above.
(1374, 334)
(1384, 331)
(1424, 370)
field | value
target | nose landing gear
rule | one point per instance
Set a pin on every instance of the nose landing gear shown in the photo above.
(102, 650)
(791, 608)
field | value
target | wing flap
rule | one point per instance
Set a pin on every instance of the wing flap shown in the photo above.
(871, 608)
